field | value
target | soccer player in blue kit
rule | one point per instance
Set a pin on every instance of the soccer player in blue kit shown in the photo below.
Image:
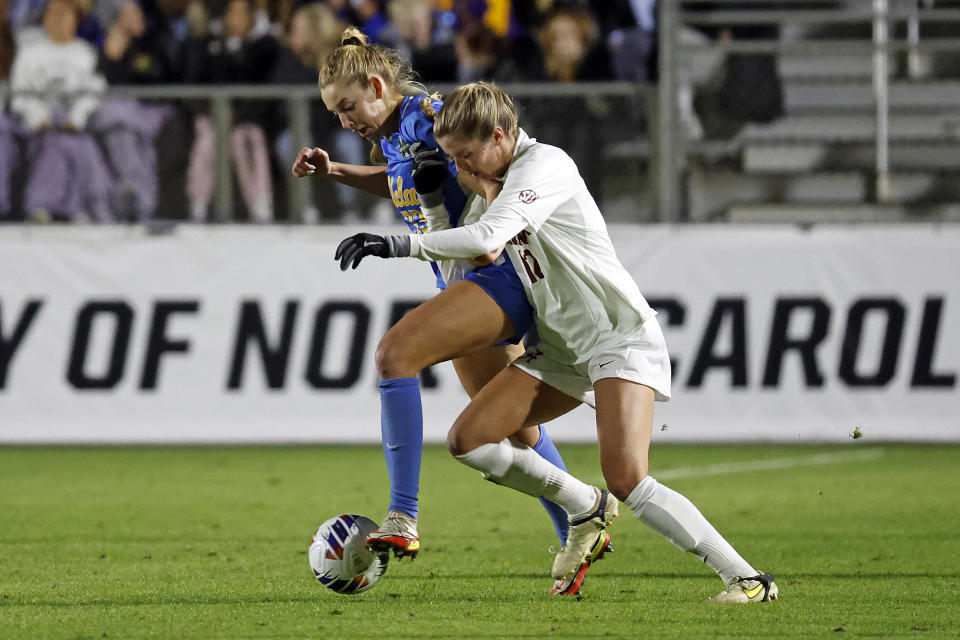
(481, 314)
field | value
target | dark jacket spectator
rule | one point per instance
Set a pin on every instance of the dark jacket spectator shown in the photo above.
(139, 47)
(6, 46)
(240, 55)
(570, 47)
(481, 55)
(420, 35)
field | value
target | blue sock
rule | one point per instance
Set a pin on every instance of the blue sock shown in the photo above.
(548, 451)
(401, 430)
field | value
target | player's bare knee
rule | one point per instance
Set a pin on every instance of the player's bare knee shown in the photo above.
(455, 442)
(391, 358)
(622, 486)
(623, 473)
(461, 438)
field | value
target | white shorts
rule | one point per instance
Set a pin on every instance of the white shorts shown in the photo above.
(640, 357)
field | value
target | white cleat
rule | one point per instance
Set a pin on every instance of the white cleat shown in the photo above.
(584, 536)
(570, 585)
(397, 534)
(760, 588)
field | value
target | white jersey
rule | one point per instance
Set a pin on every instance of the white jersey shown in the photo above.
(585, 300)
(437, 219)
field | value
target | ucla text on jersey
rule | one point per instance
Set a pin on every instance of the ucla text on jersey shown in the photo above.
(417, 127)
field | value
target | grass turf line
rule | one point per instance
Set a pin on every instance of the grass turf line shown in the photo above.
(211, 543)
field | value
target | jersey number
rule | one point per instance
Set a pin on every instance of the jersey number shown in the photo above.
(534, 272)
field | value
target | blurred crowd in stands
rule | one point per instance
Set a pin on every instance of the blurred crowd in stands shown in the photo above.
(69, 151)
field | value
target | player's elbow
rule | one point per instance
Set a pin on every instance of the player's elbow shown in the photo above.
(489, 240)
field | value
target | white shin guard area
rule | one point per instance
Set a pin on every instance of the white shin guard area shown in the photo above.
(675, 518)
(520, 467)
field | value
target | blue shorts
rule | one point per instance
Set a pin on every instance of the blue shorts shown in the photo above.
(501, 283)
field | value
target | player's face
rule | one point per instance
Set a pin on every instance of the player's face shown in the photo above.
(484, 158)
(361, 109)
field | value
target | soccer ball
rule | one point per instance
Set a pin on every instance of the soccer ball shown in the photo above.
(340, 558)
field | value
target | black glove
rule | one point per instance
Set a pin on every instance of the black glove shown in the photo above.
(430, 168)
(357, 247)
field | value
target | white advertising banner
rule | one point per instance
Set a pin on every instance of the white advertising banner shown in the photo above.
(243, 334)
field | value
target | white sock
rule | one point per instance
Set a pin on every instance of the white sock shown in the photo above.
(676, 518)
(520, 467)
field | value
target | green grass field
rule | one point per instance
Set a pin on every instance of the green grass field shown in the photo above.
(211, 543)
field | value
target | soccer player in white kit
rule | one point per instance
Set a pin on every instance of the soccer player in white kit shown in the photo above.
(600, 343)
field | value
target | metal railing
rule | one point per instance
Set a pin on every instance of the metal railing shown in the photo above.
(652, 139)
(540, 106)
(296, 99)
(878, 15)
(881, 92)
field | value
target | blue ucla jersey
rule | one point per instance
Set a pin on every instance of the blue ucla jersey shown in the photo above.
(414, 127)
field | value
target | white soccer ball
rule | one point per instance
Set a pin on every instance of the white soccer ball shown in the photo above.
(339, 556)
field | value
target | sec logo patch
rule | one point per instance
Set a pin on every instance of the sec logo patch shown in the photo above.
(527, 196)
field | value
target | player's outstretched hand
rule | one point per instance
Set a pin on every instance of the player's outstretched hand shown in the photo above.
(311, 162)
(430, 167)
(357, 247)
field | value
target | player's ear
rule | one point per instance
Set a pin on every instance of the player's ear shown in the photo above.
(377, 85)
(497, 134)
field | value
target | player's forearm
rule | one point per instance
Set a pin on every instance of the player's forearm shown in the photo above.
(372, 179)
(485, 236)
(437, 217)
(487, 258)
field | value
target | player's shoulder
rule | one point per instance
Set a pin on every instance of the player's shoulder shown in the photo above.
(550, 152)
(415, 124)
(541, 157)
(410, 110)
